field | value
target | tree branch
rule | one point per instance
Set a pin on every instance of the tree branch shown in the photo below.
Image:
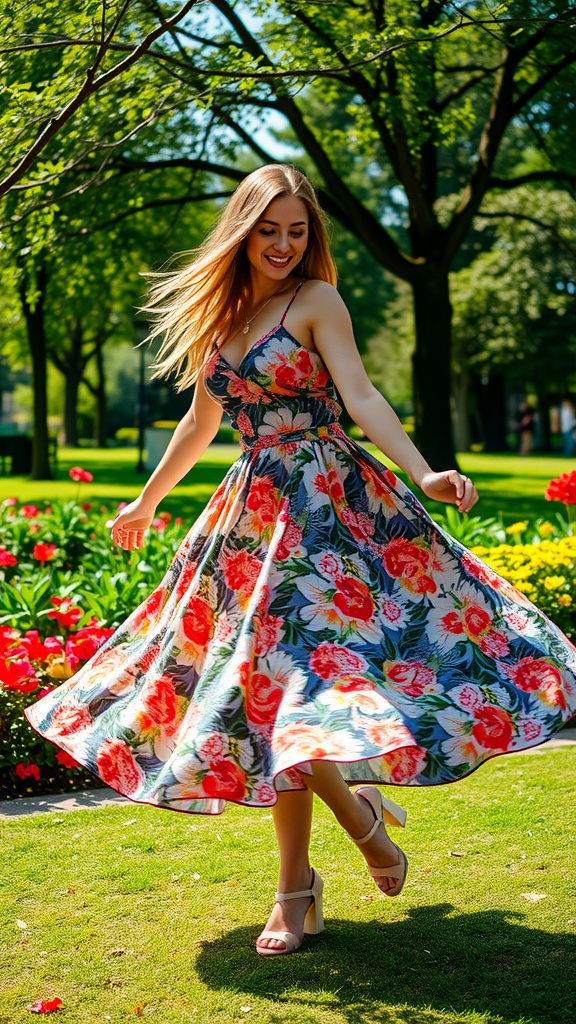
(91, 86)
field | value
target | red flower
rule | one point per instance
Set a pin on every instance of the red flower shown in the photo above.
(18, 674)
(80, 475)
(165, 516)
(44, 552)
(8, 636)
(198, 621)
(84, 643)
(241, 571)
(267, 634)
(403, 558)
(45, 1005)
(66, 760)
(262, 498)
(117, 767)
(37, 649)
(411, 677)
(66, 613)
(451, 623)
(353, 598)
(329, 661)
(28, 511)
(24, 770)
(330, 484)
(225, 780)
(70, 717)
(159, 701)
(87, 505)
(263, 696)
(492, 727)
(476, 620)
(563, 488)
(6, 558)
(406, 763)
(535, 675)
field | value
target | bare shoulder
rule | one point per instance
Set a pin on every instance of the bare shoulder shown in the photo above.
(321, 291)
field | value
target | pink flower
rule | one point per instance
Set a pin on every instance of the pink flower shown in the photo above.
(6, 558)
(9, 501)
(82, 476)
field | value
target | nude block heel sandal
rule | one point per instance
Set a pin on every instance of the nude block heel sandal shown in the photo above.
(313, 922)
(385, 811)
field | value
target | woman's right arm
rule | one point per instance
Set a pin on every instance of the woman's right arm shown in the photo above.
(190, 439)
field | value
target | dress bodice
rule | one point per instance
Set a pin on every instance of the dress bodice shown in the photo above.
(281, 390)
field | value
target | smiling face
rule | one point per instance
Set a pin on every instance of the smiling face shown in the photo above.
(277, 243)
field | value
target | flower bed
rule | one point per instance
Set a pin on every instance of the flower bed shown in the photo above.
(64, 589)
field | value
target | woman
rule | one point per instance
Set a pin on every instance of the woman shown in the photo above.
(316, 628)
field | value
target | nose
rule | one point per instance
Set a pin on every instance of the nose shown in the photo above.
(282, 243)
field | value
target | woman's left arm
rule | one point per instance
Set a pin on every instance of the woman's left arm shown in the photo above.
(334, 338)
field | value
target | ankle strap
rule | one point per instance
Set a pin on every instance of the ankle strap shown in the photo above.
(281, 896)
(377, 823)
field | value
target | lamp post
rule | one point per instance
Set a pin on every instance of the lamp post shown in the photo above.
(141, 330)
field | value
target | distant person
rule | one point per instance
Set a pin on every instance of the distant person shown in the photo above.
(567, 424)
(526, 417)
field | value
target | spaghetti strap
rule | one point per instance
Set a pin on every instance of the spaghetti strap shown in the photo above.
(292, 297)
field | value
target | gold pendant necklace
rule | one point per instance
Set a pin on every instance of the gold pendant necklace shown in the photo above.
(247, 321)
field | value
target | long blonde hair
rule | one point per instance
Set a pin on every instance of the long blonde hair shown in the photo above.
(202, 302)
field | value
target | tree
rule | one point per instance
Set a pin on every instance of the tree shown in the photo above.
(432, 92)
(515, 305)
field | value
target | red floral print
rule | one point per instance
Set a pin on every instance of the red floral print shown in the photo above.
(353, 598)
(241, 571)
(198, 621)
(330, 661)
(159, 703)
(411, 677)
(70, 718)
(117, 767)
(492, 727)
(225, 780)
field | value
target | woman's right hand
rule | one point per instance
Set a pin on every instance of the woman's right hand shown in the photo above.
(129, 526)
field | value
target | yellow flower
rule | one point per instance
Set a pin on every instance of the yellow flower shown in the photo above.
(516, 528)
(565, 600)
(545, 529)
(554, 582)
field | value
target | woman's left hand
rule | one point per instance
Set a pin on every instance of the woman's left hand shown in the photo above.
(450, 486)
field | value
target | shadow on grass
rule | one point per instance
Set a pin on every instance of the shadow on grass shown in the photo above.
(486, 963)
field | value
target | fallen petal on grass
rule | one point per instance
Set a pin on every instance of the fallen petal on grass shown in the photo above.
(533, 897)
(45, 1005)
(21, 924)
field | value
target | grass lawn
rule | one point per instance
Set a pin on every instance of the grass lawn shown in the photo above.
(508, 484)
(131, 910)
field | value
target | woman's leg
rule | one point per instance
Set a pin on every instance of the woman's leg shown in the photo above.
(292, 815)
(355, 815)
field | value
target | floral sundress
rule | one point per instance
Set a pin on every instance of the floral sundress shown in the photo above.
(313, 611)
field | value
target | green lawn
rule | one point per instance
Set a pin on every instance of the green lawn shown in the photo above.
(508, 484)
(135, 910)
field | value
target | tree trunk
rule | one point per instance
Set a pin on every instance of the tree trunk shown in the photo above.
(34, 317)
(70, 409)
(100, 435)
(431, 368)
(491, 398)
